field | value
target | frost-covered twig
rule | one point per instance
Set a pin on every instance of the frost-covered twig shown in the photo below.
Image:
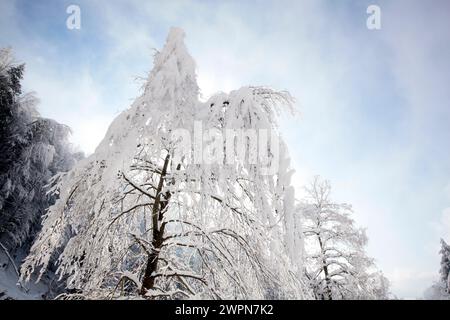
(10, 259)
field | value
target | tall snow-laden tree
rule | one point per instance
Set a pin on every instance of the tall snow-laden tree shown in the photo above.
(440, 290)
(32, 149)
(336, 263)
(156, 213)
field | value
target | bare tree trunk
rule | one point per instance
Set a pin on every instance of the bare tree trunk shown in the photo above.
(148, 281)
(325, 271)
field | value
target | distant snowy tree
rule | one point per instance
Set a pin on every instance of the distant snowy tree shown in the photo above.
(336, 263)
(139, 216)
(441, 289)
(32, 149)
(445, 265)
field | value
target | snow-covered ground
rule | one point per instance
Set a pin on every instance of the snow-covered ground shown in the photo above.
(9, 286)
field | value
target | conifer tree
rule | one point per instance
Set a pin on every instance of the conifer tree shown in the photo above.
(32, 150)
(445, 266)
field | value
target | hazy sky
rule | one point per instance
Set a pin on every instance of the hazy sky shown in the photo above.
(374, 104)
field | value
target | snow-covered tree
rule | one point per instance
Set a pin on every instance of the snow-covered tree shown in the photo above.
(142, 215)
(445, 265)
(336, 263)
(32, 149)
(441, 289)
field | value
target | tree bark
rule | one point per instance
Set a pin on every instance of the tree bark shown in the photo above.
(148, 281)
(325, 271)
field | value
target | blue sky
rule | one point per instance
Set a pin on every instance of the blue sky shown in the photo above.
(374, 104)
